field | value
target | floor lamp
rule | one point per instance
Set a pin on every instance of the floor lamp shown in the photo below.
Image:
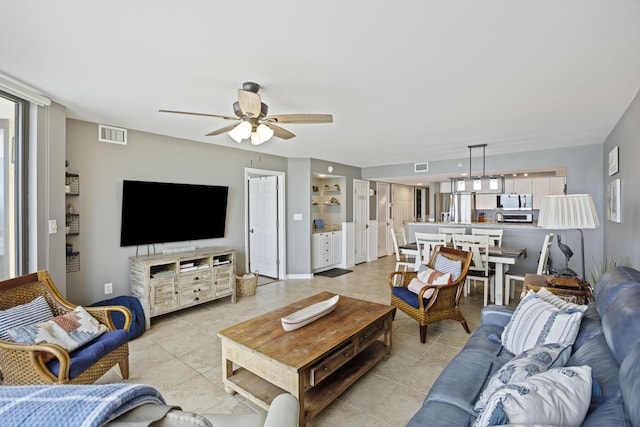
(569, 212)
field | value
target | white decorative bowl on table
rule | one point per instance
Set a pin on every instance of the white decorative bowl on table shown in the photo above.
(309, 314)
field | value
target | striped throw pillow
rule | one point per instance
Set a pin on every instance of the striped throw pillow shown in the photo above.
(32, 312)
(447, 265)
(536, 322)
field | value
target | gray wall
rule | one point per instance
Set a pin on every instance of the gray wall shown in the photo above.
(299, 201)
(622, 240)
(147, 157)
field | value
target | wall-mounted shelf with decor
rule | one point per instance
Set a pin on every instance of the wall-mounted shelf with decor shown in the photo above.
(72, 220)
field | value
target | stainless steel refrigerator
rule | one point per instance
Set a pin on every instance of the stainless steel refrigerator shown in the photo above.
(442, 206)
(462, 208)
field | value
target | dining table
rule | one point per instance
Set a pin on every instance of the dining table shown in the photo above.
(502, 257)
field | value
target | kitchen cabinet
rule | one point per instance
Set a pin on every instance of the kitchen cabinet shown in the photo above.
(518, 185)
(326, 250)
(485, 201)
(546, 186)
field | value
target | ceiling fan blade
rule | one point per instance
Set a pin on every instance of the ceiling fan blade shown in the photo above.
(279, 132)
(200, 114)
(249, 103)
(300, 118)
(222, 130)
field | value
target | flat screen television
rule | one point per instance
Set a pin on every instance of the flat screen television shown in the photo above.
(162, 212)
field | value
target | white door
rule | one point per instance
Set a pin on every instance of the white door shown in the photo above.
(263, 225)
(385, 245)
(360, 219)
(402, 206)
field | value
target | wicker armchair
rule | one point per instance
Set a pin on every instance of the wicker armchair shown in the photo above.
(443, 304)
(23, 364)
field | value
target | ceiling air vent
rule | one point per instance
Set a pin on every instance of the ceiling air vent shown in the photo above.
(112, 134)
(421, 167)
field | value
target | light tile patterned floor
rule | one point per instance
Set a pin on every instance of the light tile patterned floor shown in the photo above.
(180, 354)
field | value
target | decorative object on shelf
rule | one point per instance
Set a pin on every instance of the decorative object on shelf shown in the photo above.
(613, 161)
(336, 187)
(255, 124)
(333, 200)
(614, 198)
(569, 212)
(314, 188)
(309, 314)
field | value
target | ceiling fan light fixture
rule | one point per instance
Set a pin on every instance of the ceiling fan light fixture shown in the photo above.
(265, 132)
(240, 132)
(255, 138)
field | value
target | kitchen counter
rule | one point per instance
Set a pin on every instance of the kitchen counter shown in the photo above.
(327, 228)
(490, 224)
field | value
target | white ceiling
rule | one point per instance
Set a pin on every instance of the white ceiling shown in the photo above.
(406, 81)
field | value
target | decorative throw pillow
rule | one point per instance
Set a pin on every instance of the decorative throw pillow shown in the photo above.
(530, 362)
(447, 265)
(433, 277)
(34, 311)
(71, 330)
(547, 296)
(558, 397)
(536, 322)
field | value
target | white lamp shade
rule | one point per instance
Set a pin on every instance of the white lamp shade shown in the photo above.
(240, 132)
(255, 138)
(566, 212)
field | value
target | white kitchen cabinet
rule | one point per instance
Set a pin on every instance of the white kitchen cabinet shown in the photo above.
(326, 250)
(485, 201)
(518, 185)
(546, 186)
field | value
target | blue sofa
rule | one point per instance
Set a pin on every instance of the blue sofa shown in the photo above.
(608, 341)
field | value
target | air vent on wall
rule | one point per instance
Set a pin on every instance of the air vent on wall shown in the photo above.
(421, 167)
(112, 134)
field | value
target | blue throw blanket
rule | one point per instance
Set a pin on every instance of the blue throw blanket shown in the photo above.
(71, 405)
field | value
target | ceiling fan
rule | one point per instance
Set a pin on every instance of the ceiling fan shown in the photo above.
(255, 124)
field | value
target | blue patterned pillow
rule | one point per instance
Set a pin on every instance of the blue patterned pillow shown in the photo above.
(447, 265)
(71, 330)
(34, 311)
(528, 363)
(558, 397)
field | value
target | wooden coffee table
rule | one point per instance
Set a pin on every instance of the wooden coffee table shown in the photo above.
(315, 363)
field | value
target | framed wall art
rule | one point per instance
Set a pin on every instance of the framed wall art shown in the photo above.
(613, 161)
(614, 199)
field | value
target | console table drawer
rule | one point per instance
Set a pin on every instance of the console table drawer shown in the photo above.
(371, 333)
(196, 292)
(331, 364)
(196, 276)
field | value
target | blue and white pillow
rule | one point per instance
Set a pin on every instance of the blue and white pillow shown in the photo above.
(536, 322)
(447, 265)
(34, 311)
(558, 397)
(526, 364)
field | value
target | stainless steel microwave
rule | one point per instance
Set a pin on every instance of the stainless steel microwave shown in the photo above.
(514, 202)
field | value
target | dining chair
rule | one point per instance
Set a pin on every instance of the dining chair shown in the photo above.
(425, 243)
(450, 231)
(403, 262)
(401, 235)
(519, 275)
(479, 269)
(495, 235)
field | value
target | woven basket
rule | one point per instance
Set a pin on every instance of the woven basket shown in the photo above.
(246, 286)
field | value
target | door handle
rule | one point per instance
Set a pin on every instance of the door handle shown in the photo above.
(251, 231)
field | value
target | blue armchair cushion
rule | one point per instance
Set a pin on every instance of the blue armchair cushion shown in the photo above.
(407, 296)
(89, 354)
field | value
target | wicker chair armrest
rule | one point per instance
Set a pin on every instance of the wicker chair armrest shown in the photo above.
(405, 276)
(13, 351)
(103, 314)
